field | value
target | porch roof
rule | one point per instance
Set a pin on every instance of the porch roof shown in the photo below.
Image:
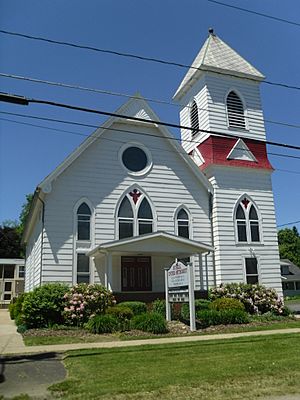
(155, 243)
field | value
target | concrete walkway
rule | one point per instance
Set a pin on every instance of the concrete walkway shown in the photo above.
(11, 342)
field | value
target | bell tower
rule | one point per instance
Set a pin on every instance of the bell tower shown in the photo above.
(220, 101)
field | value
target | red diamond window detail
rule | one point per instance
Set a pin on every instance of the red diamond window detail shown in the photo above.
(245, 202)
(135, 194)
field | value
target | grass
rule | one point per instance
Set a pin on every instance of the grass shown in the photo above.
(244, 368)
(49, 340)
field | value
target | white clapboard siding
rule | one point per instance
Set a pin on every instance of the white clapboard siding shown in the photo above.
(33, 257)
(98, 176)
(229, 255)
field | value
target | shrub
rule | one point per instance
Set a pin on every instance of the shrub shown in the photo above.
(226, 303)
(22, 328)
(137, 307)
(122, 314)
(102, 324)
(159, 307)
(266, 317)
(149, 322)
(200, 304)
(257, 299)
(83, 301)
(11, 309)
(225, 317)
(44, 306)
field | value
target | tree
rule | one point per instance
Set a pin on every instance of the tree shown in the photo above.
(10, 242)
(289, 244)
(24, 213)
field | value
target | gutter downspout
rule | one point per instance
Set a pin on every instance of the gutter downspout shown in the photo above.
(42, 237)
(212, 238)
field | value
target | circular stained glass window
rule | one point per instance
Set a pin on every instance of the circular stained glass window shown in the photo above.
(134, 159)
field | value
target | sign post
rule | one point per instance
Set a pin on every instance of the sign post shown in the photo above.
(179, 286)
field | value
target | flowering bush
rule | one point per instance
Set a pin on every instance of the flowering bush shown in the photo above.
(257, 299)
(84, 301)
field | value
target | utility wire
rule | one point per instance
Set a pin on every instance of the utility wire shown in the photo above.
(289, 223)
(156, 122)
(107, 92)
(128, 55)
(114, 129)
(255, 12)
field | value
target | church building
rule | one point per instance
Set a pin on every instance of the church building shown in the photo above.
(130, 199)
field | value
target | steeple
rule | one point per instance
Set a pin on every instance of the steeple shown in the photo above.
(216, 56)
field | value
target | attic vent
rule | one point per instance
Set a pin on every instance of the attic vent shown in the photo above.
(235, 111)
(194, 118)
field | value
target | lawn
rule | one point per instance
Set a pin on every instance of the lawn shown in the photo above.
(244, 368)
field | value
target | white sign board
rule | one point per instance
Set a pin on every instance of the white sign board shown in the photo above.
(178, 275)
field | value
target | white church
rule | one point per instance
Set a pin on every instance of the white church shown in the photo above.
(130, 199)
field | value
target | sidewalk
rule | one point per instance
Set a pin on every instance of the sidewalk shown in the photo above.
(11, 342)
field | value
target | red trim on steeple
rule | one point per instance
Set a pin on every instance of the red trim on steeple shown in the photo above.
(215, 150)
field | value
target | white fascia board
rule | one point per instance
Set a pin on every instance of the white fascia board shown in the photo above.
(15, 261)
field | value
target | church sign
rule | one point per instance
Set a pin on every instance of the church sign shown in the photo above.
(179, 286)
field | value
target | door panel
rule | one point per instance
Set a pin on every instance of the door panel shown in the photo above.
(136, 273)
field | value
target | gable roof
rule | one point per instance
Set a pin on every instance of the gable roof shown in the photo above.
(216, 56)
(135, 107)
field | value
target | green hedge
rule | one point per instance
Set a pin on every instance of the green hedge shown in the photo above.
(102, 324)
(137, 307)
(123, 316)
(44, 306)
(200, 304)
(226, 317)
(149, 322)
(225, 303)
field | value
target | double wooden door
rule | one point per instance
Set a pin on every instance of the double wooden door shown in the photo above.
(136, 273)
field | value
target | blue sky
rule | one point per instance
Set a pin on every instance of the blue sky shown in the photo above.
(172, 30)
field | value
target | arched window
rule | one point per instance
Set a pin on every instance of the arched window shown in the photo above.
(183, 224)
(125, 216)
(83, 222)
(135, 216)
(235, 111)
(247, 222)
(194, 118)
(145, 218)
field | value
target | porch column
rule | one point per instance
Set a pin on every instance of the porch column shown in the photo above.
(201, 272)
(108, 271)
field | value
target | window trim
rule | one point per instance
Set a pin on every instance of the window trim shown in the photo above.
(141, 146)
(191, 110)
(184, 207)
(258, 268)
(83, 252)
(247, 221)
(92, 220)
(135, 210)
(241, 97)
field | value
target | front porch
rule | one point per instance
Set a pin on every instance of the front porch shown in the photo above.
(133, 268)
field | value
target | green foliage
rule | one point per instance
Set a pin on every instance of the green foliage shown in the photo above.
(257, 299)
(289, 244)
(159, 307)
(122, 314)
(226, 303)
(25, 212)
(44, 306)
(102, 324)
(10, 242)
(200, 304)
(225, 317)
(266, 317)
(15, 308)
(149, 322)
(83, 301)
(22, 328)
(137, 307)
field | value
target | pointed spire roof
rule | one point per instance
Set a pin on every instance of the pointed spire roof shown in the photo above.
(215, 55)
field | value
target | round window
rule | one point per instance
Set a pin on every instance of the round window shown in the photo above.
(134, 159)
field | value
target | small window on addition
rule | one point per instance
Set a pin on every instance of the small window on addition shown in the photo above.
(83, 268)
(251, 270)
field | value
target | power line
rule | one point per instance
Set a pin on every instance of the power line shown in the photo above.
(112, 129)
(128, 55)
(289, 223)
(255, 12)
(25, 100)
(107, 92)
